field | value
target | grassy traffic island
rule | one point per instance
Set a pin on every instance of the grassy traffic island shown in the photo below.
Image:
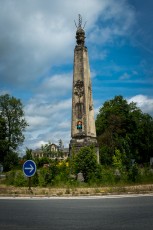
(79, 176)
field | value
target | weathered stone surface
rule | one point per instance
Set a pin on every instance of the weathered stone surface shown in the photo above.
(80, 177)
(83, 131)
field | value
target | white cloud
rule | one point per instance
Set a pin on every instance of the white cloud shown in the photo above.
(35, 36)
(116, 19)
(93, 74)
(144, 103)
(48, 120)
(42, 139)
(57, 85)
(35, 121)
(38, 35)
(2, 92)
(38, 144)
(65, 125)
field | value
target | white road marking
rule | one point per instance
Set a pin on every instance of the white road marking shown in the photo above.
(75, 197)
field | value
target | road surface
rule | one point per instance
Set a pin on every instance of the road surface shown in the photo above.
(126, 213)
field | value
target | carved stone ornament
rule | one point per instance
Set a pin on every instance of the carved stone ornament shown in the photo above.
(78, 88)
(79, 110)
(80, 34)
(90, 107)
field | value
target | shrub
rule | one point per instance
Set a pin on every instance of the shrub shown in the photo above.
(85, 161)
(16, 178)
(134, 173)
(117, 161)
(107, 175)
(10, 177)
(35, 179)
(45, 177)
(20, 179)
(146, 174)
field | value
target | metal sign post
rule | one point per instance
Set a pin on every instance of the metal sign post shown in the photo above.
(1, 169)
(30, 183)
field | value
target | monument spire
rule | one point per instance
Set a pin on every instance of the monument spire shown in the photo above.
(83, 130)
(80, 34)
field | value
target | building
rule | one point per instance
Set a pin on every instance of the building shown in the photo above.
(52, 152)
(83, 131)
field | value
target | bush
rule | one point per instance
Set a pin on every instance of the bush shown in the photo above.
(146, 175)
(45, 177)
(85, 161)
(20, 179)
(134, 173)
(105, 156)
(41, 161)
(58, 173)
(10, 176)
(107, 176)
(35, 179)
(16, 178)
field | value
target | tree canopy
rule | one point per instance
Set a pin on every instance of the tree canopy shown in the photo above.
(125, 127)
(12, 125)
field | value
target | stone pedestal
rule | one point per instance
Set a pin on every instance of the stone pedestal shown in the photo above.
(76, 144)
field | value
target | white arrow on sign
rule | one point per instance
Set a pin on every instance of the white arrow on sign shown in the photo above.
(30, 168)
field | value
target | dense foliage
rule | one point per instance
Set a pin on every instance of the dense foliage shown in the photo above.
(58, 175)
(85, 161)
(12, 125)
(125, 127)
(124, 133)
(64, 174)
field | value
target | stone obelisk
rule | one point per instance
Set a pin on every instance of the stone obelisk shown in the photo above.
(83, 130)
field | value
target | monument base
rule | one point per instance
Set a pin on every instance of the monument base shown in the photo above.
(77, 143)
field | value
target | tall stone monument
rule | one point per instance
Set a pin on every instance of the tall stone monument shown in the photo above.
(83, 130)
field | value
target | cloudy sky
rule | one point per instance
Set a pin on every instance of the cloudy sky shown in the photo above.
(37, 40)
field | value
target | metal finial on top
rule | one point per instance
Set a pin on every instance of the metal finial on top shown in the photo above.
(79, 22)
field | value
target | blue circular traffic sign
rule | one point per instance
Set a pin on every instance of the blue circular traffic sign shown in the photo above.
(29, 168)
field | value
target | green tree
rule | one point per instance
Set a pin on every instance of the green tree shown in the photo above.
(142, 138)
(13, 123)
(2, 139)
(85, 161)
(118, 160)
(41, 161)
(61, 146)
(11, 160)
(124, 127)
(46, 149)
(28, 155)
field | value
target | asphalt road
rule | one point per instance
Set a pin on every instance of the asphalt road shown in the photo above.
(134, 213)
